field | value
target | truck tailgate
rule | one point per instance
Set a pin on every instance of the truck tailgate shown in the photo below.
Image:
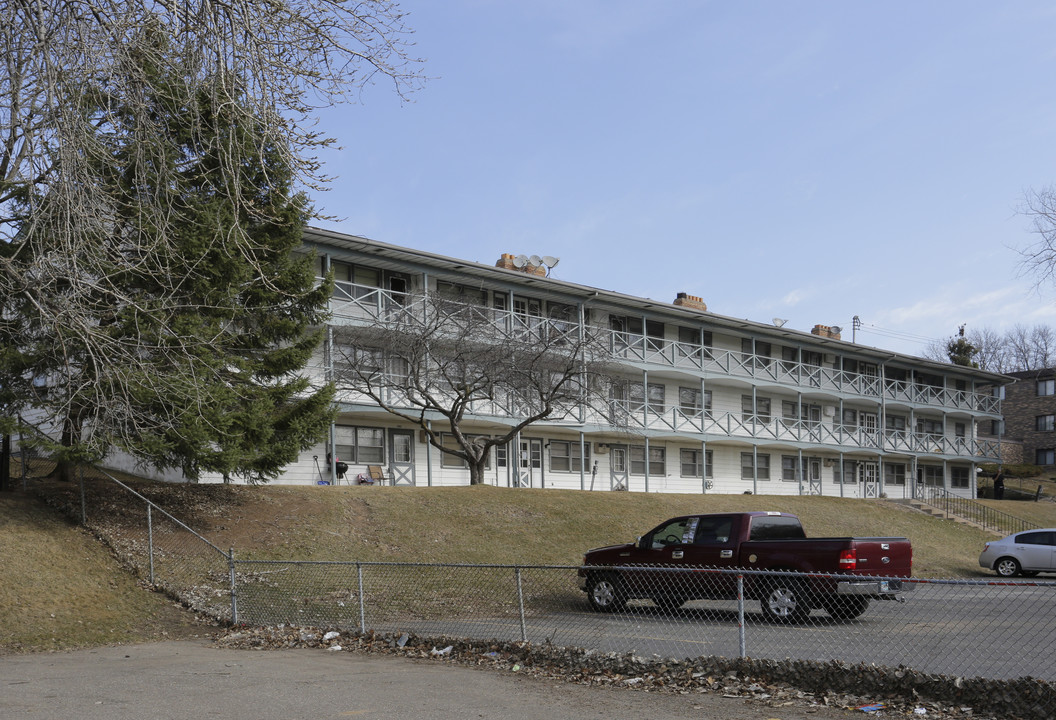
(887, 556)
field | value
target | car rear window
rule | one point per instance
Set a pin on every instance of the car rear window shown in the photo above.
(776, 527)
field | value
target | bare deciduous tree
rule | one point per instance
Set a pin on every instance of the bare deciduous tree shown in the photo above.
(90, 199)
(1038, 258)
(434, 360)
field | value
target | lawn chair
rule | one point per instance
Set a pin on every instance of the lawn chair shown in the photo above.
(377, 475)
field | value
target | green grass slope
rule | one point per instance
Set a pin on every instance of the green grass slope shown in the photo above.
(62, 588)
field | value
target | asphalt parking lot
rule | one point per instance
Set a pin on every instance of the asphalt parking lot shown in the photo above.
(188, 679)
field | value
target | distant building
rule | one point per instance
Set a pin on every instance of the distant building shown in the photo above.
(718, 404)
(1029, 409)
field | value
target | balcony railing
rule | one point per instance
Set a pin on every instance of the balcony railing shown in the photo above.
(360, 302)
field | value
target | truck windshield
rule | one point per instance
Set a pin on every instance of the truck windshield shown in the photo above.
(776, 527)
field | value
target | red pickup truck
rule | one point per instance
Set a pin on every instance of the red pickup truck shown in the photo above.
(683, 559)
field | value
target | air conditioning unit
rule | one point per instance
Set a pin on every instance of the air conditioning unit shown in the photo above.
(601, 448)
(830, 411)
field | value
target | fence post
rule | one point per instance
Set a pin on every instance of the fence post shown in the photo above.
(740, 615)
(520, 605)
(362, 607)
(150, 542)
(234, 595)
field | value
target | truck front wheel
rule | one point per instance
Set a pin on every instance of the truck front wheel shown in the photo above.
(784, 601)
(605, 593)
(846, 608)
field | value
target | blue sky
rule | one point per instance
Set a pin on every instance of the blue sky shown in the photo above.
(811, 161)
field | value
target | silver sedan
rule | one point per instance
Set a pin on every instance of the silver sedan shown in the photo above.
(1025, 553)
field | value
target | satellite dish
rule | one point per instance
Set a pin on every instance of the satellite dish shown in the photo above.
(780, 322)
(550, 262)
(535, 260)
(520, 261)
(836, 328)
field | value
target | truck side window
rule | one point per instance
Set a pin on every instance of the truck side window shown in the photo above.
(673, 533)
(776, 528)
(712, 531)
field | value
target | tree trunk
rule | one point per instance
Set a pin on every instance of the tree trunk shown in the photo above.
(476, 471)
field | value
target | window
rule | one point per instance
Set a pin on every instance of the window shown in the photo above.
(931, 475)
(960, 429)
(1045, 423)
(657, 460)
(847, 475)
(565, 456)
(894, 474)
(959, 477)
(690, 401)
(1045, 457)
(895, 424)
(997, 427)
(635, 397)
(792, 469)
(761, 411)
(760, 469)
(361, 445)
(690, 463)
(1046, 387)
(453, 461)
(849, 420)
(929, 427)
(756, 353)
(654, 332)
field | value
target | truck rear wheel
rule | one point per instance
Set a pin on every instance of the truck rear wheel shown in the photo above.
(846, 608)
(784, 601)
(605, 593)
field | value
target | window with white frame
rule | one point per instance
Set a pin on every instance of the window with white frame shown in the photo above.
(1045, 456)
(566, 456)
(1046, 387)
(959, 476)
(657, 460)
(694, 462)
(1045, 423)
(894, 474)
(755, 466)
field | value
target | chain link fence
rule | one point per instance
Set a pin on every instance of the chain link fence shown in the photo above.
(968, 628)
(957, 628)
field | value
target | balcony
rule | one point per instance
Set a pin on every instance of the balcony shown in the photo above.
(352, 302)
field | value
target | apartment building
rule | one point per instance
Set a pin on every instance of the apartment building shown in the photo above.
(1029, 418)
(713, 404)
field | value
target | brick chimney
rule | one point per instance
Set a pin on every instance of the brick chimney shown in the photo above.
(506, 262)
(825, 331)
(690, 301)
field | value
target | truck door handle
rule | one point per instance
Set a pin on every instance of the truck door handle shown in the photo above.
(725, 554)
(676, 554)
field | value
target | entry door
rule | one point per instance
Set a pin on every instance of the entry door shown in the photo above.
(402, 464)
(814, 476)
(619, 469)
(530, 463)
(870, 479)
